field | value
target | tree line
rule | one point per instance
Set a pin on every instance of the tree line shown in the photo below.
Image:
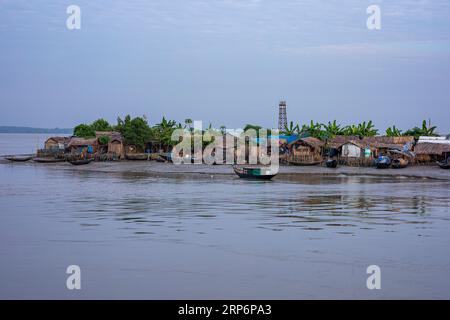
(137, 131)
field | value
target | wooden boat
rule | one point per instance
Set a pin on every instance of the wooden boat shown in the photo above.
(331, 163)
(166, 156)
(303, 163)
(259, 173)
(137, 156)
(80, 162)
(444, 164)
(48, 160)
(382, 162)
(399, 163)
(19, 158)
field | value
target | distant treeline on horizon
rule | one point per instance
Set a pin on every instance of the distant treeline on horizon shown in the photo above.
(14, 129)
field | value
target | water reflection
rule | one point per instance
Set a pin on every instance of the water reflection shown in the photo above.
(343, 205)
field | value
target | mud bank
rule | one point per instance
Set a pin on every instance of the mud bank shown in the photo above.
(211, 171)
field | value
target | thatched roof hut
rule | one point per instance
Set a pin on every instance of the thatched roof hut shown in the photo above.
(59, 143)
(305, 151)
(82, 144)
(431, 148)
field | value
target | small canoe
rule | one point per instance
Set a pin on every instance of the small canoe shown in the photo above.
(259, 173)
(303, 163)
(166, 156)
(331, 163)
(80, 162)
(383, 162)
(48, 160)
(444, 164)
(137, 156)
(399, 163)
(19, 158)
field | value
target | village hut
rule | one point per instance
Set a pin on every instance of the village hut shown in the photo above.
(361, 151)
(56, 143)
(305, 151)
(430, 152)
(83, 146)
(114, 146)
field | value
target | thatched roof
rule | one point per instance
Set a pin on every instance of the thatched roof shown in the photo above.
(63, 140)
(371, 142)
(80, 142)
(309, 141)
(431, 148)
(113, 135)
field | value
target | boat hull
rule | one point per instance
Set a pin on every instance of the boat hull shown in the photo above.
(253, 173)
(399, 164)
(18, 158)
(296, 163)
(332, 163)
(81, 162)
(48, 160)
(444, 165)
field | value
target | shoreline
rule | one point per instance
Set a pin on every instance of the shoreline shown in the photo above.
(152, 168)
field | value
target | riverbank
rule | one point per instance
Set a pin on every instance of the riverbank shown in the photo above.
(152, 168)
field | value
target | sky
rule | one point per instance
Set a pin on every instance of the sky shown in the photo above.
(225, 62)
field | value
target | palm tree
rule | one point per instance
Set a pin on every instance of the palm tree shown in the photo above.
(291, 130)
(424, 131)
(223, 130)
(314, 129)
(393, 132)
(332, 129)
(363, 130)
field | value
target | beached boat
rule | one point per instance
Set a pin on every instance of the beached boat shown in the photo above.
(166, 156)
(19, 158)
(48, 160)
(260, 173)
(444, 164)
(80, 162)
(399, 163)
(331, 163)
(137, 156)
(382, 162)
(297, 162)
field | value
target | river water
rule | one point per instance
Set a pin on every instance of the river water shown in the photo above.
(166, 238)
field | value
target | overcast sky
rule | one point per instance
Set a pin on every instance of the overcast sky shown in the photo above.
(228, 62)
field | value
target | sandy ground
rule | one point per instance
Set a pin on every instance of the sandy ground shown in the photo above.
(191, 170)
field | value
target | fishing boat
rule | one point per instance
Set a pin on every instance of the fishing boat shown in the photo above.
(383, 162)
(259, 173)
(297, 162)
(444, 164)
(399, 163)
(48, 160)
(137, 156)
(331, 163)
(19, 158)
(166, 156)
(80, 162)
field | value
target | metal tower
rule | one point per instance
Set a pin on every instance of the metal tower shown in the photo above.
(282, 117)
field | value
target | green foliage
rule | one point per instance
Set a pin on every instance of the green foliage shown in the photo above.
(393, 132)
(135, 131)
(332, 129)
(101, 125)
(103, 140)
(423, 131)
(363, 130)
(252, 126)
(84, 131)
(291, 129)
(163, 131)
(314, 129)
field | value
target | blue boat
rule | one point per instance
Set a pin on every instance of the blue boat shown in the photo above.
(383, 162)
